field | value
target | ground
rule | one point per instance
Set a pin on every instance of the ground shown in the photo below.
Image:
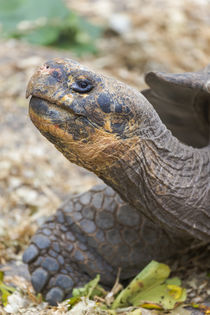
(34, 177)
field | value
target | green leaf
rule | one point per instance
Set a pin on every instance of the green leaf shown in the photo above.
(163, 296)
(73, 301)
(47, 22)
(45, 35)
(152, 275)
(5, 290)
(9, 14)
(1, 275)
(50, 9)
(89, 290)
(151, 289)
(30, 10)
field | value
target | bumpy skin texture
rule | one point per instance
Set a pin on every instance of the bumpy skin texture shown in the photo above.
(95, 232)
(111, 129)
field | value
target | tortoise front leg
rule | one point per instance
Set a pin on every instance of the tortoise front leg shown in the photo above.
(93, 233)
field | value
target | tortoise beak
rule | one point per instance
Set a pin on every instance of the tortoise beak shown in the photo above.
(29, 88)
(34, 79)
(46, 79)
(33, 83)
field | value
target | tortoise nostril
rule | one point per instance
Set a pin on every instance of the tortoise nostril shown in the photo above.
(44, 67)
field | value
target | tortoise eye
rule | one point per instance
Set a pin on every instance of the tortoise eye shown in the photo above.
(82, 86)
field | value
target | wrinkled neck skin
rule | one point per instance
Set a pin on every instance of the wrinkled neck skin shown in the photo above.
(166, 180)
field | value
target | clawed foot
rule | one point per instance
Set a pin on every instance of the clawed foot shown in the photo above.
(48, 255)
(63, 254)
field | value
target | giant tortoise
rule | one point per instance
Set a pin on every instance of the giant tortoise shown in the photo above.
(152, 151)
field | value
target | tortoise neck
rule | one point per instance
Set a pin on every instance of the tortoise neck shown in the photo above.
(166, 180)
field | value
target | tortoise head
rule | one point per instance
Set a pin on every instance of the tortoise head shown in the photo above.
(89, 117)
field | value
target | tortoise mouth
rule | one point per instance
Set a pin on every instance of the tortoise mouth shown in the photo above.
(44, 107)
(44, 113)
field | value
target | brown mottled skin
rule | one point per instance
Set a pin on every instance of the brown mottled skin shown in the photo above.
(114, 131)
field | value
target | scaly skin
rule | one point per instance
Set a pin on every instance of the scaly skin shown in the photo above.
(95, 232)
(111, 129)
